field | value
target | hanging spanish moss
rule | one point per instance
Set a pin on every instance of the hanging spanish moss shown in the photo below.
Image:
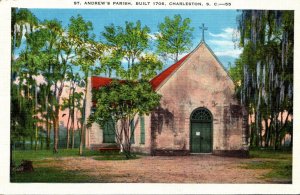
(266, 87)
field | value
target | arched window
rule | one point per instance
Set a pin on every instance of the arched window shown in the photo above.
(201, 115)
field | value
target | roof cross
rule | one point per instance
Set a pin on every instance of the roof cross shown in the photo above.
(203, 29)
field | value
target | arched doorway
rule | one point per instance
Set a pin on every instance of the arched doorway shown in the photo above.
(201, 131)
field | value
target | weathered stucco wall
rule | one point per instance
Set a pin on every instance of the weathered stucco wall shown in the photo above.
(199, 82)
(138, 146)
(94, 134)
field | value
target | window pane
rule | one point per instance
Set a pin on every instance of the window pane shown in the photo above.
(132, 131)
(109, 132)
(142, 125)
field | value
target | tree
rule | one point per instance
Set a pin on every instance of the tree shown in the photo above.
(88, 52)
(51, 51)
(27, 67)
(58, 49)
(22, 123)
(57, 67)
(130, 44)
(64, 50)
(127, 43)
(265, 72)
(43, 97)
(174, 37)
(22, 25)
(121, 101)
(22, 21)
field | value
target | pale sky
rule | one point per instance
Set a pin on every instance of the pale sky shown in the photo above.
(221, 24)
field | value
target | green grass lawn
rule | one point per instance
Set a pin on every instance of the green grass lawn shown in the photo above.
(33, 155)
(43, 173)
(285, 155)
(51, 175)
(279, 162)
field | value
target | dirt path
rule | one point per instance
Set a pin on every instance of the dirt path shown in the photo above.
(160, 169)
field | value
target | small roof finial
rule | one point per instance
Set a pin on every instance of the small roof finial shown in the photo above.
(203, 29)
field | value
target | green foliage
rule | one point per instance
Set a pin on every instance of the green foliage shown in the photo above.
(50, 51)
(148, 66)
(22, 122)
(43, 161)
(174, 36)
(79, 29)
(53, 52)
(51, 175)
(73, 101)
(264, 72)
(259, 153)
(22, 20)
(19, 155)
(128, 43)
(278, 162)
(121, 101)
(236, 72)
(281, 171)
(87, 52)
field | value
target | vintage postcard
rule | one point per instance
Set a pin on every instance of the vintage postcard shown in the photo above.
(149, 96)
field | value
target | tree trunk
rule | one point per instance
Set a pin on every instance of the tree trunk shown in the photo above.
(276, 135)
(81, 139)
(267, 132)
(82, 131)
(42, 142)
(36, 138)
(83, 118)
(56, 114)
(31, 142)
(257, 130)
(291, 143)
(47, 121)
(73, 119)
(127, 134)
(73, 131)
(270, 132)
(56, 132)
(68, 131)
(260, 133)
(69, 107)
(36, 123)
(48, 139)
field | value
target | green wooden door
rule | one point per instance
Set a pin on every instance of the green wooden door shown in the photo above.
(195, 138)
(201, 131)
(201, 139)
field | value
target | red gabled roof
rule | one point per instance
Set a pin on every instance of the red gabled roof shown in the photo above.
(156, 81)
(99, 81)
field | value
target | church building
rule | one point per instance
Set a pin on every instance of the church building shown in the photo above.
(198, 111)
